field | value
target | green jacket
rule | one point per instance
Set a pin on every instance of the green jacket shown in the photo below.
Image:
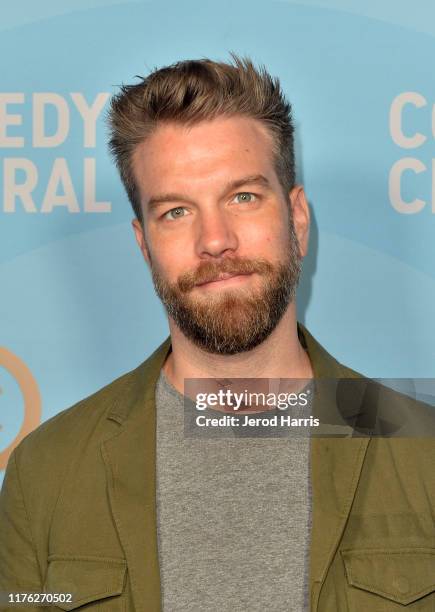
(78, 513)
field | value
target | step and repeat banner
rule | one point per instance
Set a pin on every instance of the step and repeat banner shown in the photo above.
(77, 305)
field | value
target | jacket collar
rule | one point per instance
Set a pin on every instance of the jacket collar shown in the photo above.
(130, 459)
(141, 381)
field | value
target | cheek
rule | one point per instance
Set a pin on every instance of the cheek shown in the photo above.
(171, 260)
(270, 240)
(273, 246)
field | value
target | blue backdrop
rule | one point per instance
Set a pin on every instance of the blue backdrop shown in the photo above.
(77, 305)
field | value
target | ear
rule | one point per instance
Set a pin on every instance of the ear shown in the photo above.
(140, 239)
(301, 217)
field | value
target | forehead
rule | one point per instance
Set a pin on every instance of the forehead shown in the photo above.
(208, 154)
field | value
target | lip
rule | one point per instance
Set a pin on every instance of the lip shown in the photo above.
(223, 278)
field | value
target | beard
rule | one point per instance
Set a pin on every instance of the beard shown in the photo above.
(233, 320)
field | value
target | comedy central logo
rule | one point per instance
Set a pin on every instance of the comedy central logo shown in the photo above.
(31, 400)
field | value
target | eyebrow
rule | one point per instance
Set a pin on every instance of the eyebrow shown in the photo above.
(255, 179)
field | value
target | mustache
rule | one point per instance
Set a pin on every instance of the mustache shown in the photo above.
(209, 271)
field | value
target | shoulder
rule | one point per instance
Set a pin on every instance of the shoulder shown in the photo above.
(89, 421)
(50, 448)
(85, 411)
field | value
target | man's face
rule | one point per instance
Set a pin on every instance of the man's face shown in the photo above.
(219, 237)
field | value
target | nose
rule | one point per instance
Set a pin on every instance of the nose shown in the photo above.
(215, 234)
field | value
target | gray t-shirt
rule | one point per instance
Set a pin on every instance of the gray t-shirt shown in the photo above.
(233, 517)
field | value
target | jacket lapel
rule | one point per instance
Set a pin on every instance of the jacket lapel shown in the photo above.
(130, 459)
(336, 465)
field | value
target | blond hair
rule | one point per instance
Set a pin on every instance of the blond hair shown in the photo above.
(191, 91)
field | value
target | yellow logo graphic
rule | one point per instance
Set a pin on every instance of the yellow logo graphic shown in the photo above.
(31, 398)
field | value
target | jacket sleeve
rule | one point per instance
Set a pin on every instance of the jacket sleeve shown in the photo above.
(19, 568)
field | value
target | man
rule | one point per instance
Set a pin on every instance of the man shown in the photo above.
(110, 502)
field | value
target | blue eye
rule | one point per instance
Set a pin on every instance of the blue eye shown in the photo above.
(245, 197)
(174, 213)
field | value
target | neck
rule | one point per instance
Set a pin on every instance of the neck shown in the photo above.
(280, 356)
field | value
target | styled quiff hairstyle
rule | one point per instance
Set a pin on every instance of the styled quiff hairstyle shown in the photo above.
(191, 91)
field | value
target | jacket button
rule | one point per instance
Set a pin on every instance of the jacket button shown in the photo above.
(401, 583)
